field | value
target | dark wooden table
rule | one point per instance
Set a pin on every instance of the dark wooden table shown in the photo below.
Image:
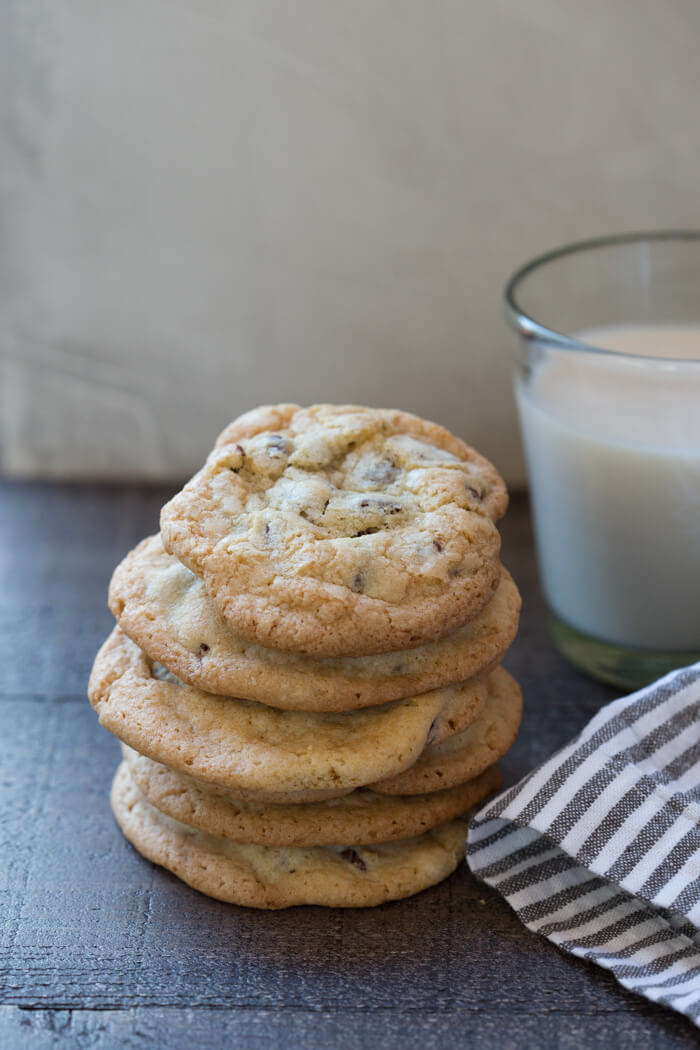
(100, 949)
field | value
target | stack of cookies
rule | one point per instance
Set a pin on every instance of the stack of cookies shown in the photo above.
(305, 673)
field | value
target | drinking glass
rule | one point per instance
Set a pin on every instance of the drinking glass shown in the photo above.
(612, 444)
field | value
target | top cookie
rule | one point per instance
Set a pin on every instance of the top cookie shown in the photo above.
(340, 530)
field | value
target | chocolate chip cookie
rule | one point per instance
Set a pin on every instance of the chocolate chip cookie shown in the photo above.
(362, 816)
(340, 530)
(258, 750)
(345, 876)
(166, 610)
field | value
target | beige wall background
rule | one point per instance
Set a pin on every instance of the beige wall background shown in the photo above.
(208, 204)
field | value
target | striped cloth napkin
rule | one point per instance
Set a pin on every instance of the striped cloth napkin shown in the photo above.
(599, 848)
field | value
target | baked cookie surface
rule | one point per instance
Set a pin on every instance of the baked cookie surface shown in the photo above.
(268, 877)
(166, 610)
(254, 749)
(340, 530)
(467, 754)
(362, 816)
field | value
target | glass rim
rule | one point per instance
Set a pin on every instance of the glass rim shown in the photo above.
(526, 325)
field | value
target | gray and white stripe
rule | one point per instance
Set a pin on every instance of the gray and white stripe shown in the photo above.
(598, 849)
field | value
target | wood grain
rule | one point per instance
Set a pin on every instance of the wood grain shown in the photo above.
(101, 949)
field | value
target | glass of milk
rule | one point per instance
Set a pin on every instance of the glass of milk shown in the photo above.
(608, 392)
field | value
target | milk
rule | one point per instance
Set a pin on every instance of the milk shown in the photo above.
(613, 447)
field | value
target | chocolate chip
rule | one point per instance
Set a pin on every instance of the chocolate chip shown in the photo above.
(358, 582)
(384, 506)
(382, 472)
(266, 530)
(474, 492)
(276, 445)
(203, 647)
(241, 452)
(438, 546)
(353, 857)
(366, 532)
